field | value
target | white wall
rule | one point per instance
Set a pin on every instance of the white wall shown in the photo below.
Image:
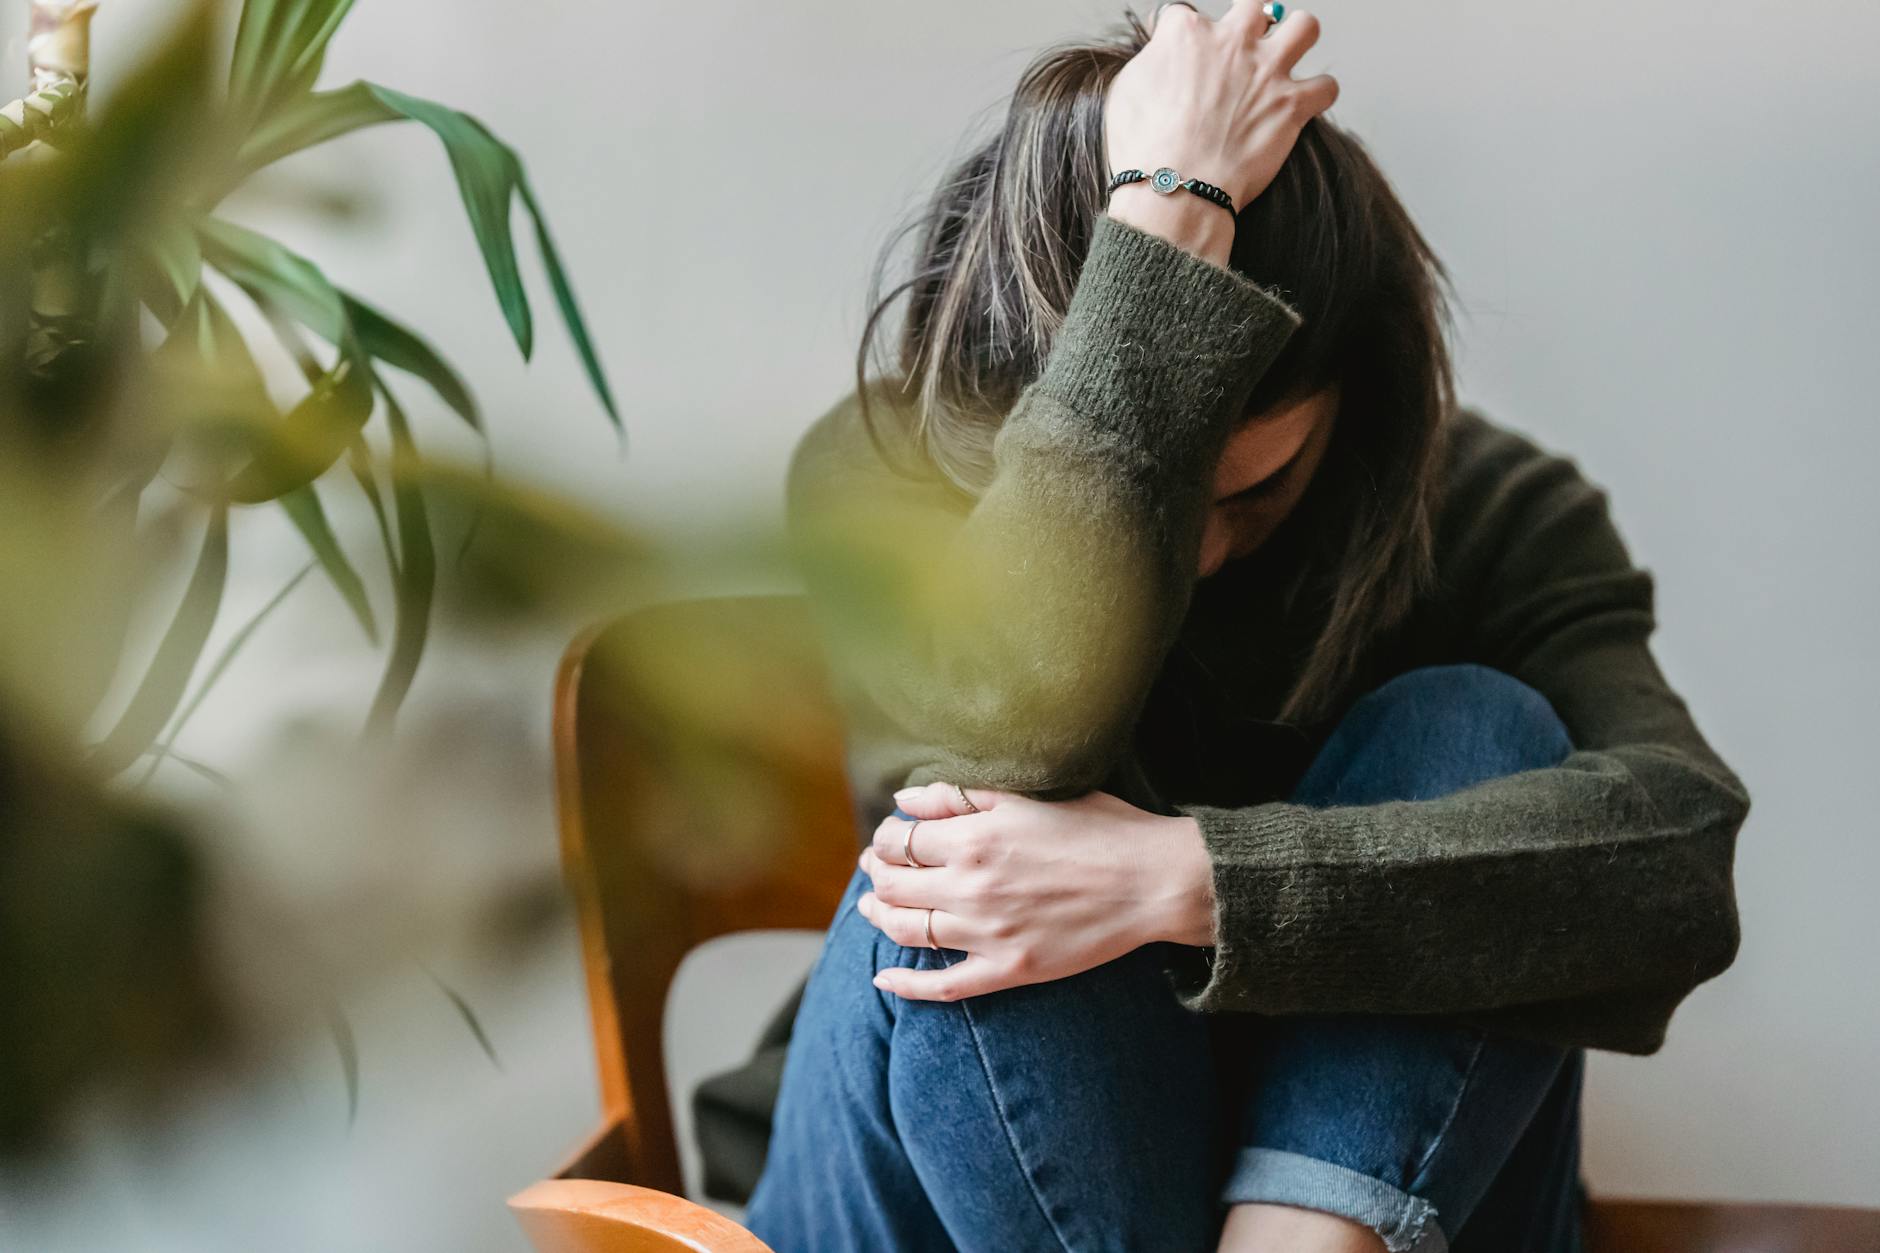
(1659, 216)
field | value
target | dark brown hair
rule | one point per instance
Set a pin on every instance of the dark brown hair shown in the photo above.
(1003, 239)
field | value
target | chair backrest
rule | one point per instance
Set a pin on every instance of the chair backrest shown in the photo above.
(700, 784)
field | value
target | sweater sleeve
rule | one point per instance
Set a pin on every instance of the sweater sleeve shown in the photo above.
(1577, 904)
(1009, 641)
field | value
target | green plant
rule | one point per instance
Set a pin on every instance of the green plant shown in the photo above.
(121, 221)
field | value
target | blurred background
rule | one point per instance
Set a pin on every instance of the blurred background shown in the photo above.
(1659, 220)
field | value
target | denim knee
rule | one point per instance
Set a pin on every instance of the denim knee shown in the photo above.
(1399, 1124)
(1432, 731)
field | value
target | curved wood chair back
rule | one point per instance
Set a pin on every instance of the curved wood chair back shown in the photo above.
(699, 779)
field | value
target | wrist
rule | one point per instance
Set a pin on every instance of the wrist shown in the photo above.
(1185, 897)
(1187, 221)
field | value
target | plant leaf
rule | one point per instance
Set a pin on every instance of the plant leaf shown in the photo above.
(278, 275)
(469, 1017)
(223, 660)
(303, 508)
(359, 460)
(401, 348)
(310, 120)
(281, 274)
(347, 1046)
(487, 173)
(490, 176)
(280, 46)
(570, 309)
(314, 435)
(417, 573)
(320, 428)
(174, 259)
(203, 768)
(176, 657)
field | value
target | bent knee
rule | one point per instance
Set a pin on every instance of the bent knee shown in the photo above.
(1438, 729)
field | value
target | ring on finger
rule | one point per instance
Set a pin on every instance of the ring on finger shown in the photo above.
(966, 800)
(1274, 11)
(930, 940)
(907, 845)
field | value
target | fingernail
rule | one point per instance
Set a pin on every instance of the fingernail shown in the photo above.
(906, 794)
(881, 981)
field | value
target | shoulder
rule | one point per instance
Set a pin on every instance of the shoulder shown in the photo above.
(1515, 513)
(1493, 466)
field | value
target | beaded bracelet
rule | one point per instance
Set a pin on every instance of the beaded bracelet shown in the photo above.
(1167, 182)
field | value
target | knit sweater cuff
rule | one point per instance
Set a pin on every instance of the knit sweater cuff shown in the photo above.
(1260, 857)
(1160, 348)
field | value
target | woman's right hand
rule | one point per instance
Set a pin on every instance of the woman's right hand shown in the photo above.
(1215, 100)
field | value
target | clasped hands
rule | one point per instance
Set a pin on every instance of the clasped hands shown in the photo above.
(1031, 890)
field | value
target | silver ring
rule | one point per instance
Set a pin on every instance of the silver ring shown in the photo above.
(907, 845)
(930, 943)
(966, 800)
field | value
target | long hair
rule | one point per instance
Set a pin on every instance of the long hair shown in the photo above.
(1001, 243)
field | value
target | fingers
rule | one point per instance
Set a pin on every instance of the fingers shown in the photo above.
(1292, 38)
(908, 927)
(1174, 10)
(934, 842)
(946, 800)
(913, 886)
(975, 976)
(1249, 16)
(1317, 94)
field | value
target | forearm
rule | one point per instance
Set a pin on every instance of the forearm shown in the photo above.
(1018, 637)
(1608, 877)
(1189, 222)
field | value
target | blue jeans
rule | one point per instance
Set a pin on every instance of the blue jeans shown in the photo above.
(1096, 1113)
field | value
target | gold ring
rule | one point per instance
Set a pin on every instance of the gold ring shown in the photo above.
(907, 845)
(966, 800)
(930, 943)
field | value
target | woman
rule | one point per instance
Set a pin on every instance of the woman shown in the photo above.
(1284, 794)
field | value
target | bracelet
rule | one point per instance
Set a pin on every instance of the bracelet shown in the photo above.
(1167, 182)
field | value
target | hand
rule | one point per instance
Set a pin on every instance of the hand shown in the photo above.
(1031, 890)
(1214, 99)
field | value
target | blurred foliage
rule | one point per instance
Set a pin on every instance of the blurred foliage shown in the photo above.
(101, 952)
(139, 432)
(135, 419)
(123, 228)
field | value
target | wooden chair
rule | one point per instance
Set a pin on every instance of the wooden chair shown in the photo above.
(701, 792)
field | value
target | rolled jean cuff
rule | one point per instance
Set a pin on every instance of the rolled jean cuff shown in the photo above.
(1405, 1223)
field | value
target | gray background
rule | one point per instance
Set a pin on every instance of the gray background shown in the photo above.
(1660, 219)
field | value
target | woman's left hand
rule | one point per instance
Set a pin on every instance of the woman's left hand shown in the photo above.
(1031, 890)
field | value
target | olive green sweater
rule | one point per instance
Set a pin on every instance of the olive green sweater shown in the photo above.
(1049, 636)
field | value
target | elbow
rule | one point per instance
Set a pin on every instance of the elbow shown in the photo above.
(1705, 931)
(1645, 1018)
(1701, 941)
(1010, 758)
(1045, 738)
(1712, 942)
(1716, 930)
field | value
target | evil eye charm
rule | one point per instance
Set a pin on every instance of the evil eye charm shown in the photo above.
(1165, 180)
